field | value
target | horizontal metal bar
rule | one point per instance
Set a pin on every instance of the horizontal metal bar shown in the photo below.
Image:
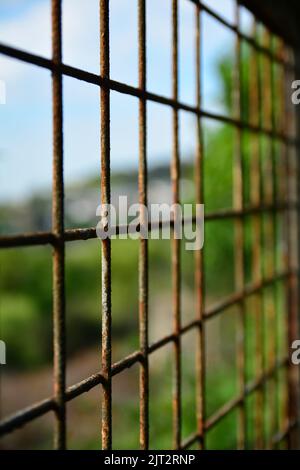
(250, 388)
(89, 383)
(247, 292)
(77, 234)
(39, 409)
(27, 57)
(139, 93)
(222, 412)
(49, 238)
(161, 342)
(231, 405)
(27, 239)
(281, 435)
(220, 307)
(26, 415)
(127, 362)
(248, 211)
(190, 440)
(250, 40)
(47, 63)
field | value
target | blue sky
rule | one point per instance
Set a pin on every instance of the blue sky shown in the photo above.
(25, 120)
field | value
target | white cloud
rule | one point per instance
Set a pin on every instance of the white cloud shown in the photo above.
(31, 31)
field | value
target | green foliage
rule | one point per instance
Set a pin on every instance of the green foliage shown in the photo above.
(26, 298)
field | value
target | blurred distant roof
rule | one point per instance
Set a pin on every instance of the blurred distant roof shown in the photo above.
(282, 16)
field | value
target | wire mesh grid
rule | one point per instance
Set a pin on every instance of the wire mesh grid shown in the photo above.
(272, 199)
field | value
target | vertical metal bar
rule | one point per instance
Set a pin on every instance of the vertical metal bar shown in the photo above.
(199, 264)
(59, 338)
(297, 65)
(261, 105)
(175, 175)
(295, 254)
(284, 188)
(270, 225)
(275, 200)
(106, 244)
(290, 290)
(238, 179)
(143, 253)
(292, 279)
(255, 197)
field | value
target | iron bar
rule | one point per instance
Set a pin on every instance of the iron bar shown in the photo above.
(233, 404)
(137, 356)
(238, 202)
(292, 320)
(41, 61)
(123, 88)
(199, 257)
(83, 234)
(258, 249)
(26, 415)
(269, 224)
(106, 244)
(143, 253)
(175, 242)
(275, 220)
(264, 211)
(59, 335)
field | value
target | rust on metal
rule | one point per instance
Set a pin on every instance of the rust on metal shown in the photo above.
(59, 338)
(238, 202)
(106, 244)
(271, 202)
(292, 281)
(176, 265)
(256, 199)
(269, 230)
(199, 256)
(143, 250)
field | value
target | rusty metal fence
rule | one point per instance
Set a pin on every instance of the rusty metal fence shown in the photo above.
(274, 201)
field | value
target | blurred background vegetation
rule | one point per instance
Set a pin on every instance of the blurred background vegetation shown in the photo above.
(26, 306)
